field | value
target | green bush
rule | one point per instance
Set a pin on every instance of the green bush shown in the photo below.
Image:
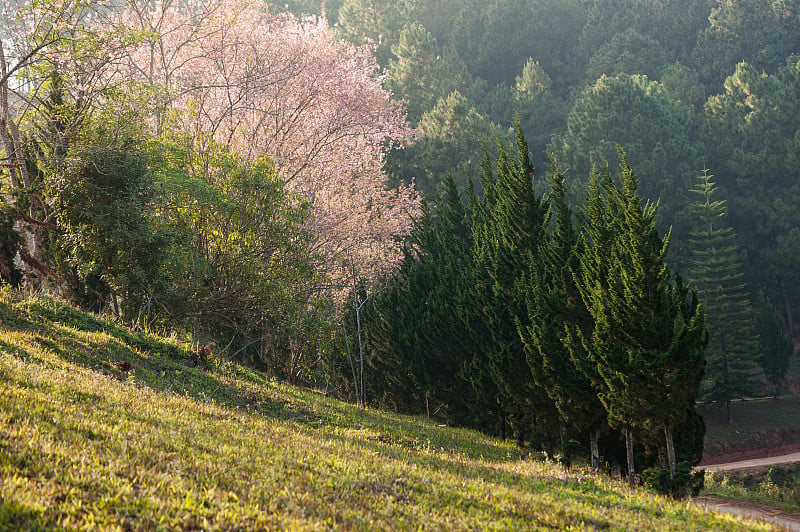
(686, 481)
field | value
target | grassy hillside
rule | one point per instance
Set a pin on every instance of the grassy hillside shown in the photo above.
(84, 445)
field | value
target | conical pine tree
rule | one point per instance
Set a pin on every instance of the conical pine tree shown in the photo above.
(717, 273)
(513, 218)
(553, 306)
(646, 343)
(418, 342)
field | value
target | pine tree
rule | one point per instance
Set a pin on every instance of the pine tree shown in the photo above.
(776, 346)
(553, 306)
(512, 219)
(419, 345)
(647, 343)
(717, 273)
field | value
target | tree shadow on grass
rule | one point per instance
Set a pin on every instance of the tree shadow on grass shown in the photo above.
(91, 342)
(17, 516)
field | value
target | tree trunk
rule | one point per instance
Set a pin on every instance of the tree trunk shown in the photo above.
(19, 178)
(670, 451)
(360, 352)
(114, 303)
(352, 366)
(594, 450)
(629, 454)
(788, 307)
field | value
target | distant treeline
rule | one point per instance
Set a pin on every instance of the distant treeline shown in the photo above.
(703, 96)
(681, 85)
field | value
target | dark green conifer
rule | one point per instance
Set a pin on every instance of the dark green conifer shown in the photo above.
(647, 343)
(420, 347)
(553, 306)
(717, 273)
(509, 229)
(776, 346)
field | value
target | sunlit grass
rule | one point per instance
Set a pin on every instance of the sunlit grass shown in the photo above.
(777, 486)
(166, 446)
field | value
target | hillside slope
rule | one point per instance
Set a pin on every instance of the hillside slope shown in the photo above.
(218, 447)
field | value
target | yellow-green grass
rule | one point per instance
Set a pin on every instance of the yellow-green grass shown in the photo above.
(777, 486)
(85, 446)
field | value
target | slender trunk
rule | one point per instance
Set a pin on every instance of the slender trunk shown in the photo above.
(19, 178)
(670, 451)
(360, 353)
(788, 307)
(352, 366)
(594, 450)
(114, 303)
(629, 453)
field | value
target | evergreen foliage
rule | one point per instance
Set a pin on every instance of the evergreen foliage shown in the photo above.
(776, 348)
(510, 232)
(564, 332)
(753, 139)
(717, 273)
(646, 342)
(420, 348)
(421, 73)
(554, 306)
(448, 138)
(657, 132)
(540, 111)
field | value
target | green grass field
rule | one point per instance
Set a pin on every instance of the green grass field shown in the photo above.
(84, 446)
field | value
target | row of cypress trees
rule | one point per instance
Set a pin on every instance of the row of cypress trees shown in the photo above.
(515, 314)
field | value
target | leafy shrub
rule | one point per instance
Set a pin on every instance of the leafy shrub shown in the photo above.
(686, 481)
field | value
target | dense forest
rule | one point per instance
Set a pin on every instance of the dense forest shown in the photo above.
(559, 220)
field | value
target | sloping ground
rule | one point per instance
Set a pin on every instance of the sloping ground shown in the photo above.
(750, 509)
(84, 445)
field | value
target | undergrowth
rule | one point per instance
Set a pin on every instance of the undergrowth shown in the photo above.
(776, 485)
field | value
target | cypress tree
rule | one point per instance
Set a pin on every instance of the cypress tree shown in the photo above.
(646, 342)
(717, 273)
(419, 344)
(512, 223)
(553, 306)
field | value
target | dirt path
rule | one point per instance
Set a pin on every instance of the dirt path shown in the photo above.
(754, 510)
(755, 462)
(761, 512)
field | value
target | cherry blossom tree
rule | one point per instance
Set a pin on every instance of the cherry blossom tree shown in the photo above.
(275, 85)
